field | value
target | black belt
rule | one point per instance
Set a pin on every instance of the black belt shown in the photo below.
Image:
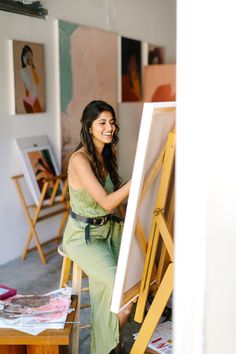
(98, 221)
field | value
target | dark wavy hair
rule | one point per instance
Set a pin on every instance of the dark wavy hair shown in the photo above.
(91, 112)
(26, 51)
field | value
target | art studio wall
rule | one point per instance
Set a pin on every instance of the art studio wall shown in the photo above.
(153, 23)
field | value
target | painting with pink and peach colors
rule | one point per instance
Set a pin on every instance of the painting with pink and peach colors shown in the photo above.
(159, 84)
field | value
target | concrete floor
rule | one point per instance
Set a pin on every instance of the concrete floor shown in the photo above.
(32, 277)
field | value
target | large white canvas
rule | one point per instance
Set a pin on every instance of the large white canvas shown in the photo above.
(129, 120)
(156, 123)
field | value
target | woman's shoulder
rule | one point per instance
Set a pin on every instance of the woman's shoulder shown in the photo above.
(81, 153)
(78, 163)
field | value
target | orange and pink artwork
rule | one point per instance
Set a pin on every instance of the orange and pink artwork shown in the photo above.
(159, 84)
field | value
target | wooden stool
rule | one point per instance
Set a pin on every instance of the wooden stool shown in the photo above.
(77, 289)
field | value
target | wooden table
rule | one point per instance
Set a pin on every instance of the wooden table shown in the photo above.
(51, 341)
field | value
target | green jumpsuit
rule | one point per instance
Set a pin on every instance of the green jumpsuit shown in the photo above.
(98, 259)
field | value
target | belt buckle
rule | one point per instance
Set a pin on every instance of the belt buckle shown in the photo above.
(103, 220)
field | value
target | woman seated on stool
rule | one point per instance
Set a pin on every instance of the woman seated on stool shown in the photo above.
(93, 234)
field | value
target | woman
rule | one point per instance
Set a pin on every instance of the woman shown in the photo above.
(93, 234)
(31, 80)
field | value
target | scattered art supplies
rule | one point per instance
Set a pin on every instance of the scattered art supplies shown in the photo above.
(161, 341)
(33, 314)
(6, 291)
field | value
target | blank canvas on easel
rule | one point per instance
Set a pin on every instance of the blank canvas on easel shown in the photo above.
(158, 119)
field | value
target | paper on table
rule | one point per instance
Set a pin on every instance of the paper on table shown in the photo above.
(161, 340)
(33, 314)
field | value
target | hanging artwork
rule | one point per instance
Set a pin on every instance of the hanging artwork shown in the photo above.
(88, 71)
(131, 70)
(38, 164)
(159, 83)
(29, 77)
(155, 54)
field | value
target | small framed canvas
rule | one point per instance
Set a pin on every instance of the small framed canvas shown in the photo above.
(159, 83)
(155, 54)
(28, 77)
(38, 164)
(131, 70)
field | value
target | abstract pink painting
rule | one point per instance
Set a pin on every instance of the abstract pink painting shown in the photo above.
(159, 84)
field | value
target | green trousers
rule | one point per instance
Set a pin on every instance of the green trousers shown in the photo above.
(98, 259)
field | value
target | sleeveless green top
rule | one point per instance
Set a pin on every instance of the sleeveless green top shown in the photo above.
(83, 204)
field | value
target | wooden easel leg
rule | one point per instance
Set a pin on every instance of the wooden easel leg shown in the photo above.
(76, 289)
(37, 243)
(154, 314)
(147, 273)
(29, 238)
(62, 224)
(35, 220)
(164, 256)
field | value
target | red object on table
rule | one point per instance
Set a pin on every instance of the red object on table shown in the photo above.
(6, 291)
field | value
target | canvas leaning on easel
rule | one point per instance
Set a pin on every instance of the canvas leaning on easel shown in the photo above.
(151, 198)
(49, 190)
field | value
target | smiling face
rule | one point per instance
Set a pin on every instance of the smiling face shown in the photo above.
(102, 129)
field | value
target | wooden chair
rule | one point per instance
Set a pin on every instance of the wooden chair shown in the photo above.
(72, 271)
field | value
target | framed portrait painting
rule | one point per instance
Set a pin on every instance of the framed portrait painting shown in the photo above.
(28, 77)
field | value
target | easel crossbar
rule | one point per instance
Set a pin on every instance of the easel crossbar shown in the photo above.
(165, 234)
(53, 213)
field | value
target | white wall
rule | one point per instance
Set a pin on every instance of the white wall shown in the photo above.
(205, 238)
(152, 21)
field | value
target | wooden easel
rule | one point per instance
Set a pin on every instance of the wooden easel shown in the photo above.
(48, 212)
(162, 228)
